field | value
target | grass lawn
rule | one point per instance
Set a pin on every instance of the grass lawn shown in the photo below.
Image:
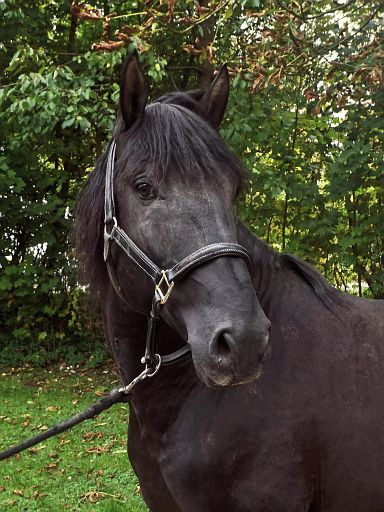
(85, 468)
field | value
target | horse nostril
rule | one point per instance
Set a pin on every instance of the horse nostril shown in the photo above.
(220, 346)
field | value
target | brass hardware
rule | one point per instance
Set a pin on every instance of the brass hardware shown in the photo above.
(164, 296)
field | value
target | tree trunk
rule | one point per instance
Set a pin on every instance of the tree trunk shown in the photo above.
(72, 31)
(206, 67)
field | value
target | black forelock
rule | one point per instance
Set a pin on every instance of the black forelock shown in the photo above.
(173, 135)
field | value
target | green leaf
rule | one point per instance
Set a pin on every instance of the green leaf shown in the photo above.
(68, 122)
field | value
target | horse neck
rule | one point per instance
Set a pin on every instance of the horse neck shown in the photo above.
(289, 290)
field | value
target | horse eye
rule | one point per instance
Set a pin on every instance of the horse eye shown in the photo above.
(144, 190)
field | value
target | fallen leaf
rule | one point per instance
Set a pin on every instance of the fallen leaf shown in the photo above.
(52, 408)
(98, 449)
(36, 450)
(91, 496)
(38, 494)
(89, 436)
(50, 466)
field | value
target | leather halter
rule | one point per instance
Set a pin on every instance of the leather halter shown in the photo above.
(163, 280)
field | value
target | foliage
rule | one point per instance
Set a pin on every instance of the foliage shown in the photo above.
(317, 74)
(306, 115)
(72, 471)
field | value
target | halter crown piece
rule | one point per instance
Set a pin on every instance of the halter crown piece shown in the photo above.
(163, 280)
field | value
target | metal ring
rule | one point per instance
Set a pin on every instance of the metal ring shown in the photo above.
(107, 224)
(152, 373)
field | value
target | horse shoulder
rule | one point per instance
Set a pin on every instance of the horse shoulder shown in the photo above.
(145, 464)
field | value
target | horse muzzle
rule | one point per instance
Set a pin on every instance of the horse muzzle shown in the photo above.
(234, 356)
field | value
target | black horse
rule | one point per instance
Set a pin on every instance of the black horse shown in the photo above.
(212, 432)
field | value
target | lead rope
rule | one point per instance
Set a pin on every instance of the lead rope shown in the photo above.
(117, 395)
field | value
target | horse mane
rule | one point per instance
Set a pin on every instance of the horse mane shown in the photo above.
(174, 135)
(88, 228)
(264, 255)
(328, 295)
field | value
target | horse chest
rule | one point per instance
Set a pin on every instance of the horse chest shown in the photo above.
(207, 464)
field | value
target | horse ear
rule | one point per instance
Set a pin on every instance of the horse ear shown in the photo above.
(133, 91)
(215, 99)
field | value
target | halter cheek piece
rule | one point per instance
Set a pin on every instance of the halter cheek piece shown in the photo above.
(164, 280)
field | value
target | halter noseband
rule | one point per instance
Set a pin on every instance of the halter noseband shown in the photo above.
(163, 280)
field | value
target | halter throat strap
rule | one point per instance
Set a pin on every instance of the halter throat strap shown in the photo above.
(163, 279)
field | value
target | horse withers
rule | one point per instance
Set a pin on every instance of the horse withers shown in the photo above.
(278, 405)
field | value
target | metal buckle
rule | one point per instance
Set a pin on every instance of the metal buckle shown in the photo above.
(106, 224)
(108, 237)
(164, 296)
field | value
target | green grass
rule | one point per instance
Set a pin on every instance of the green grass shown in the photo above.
(83, 469)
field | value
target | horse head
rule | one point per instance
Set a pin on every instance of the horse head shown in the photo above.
(175, 182)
